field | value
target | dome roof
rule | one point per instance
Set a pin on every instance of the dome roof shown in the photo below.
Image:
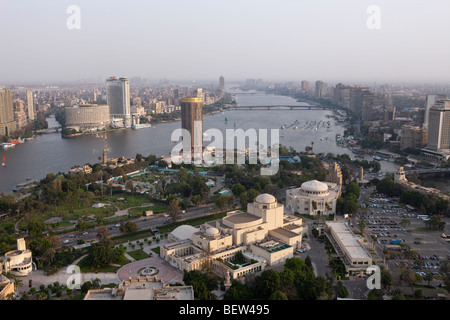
(265, 198)
(212, 231)
(314, 186)
(183, 232)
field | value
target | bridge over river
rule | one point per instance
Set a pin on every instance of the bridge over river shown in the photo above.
(281, 107)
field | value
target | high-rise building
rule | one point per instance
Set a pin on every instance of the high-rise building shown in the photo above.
(192, 121)
(439, 126)
(320, 89)
(305, 85)
(118, 91)
(430, 101)
(7, 123)
(30, 105)
(222, 84)
(20, 115)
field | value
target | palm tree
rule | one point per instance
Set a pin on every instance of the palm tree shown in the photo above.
(428, 277)
(17, 284)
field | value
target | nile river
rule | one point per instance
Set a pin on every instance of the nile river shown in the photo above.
(52, 153)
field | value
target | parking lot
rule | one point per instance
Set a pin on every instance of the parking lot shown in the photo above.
(400, 232)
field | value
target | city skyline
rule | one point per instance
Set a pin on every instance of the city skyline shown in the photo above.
(286, 40)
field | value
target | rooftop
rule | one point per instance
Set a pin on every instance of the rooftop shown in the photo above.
(349, 240)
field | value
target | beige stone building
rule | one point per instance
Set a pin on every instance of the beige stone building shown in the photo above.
(18, 262)
(313, 198)
(6, 287)
(264, 236)
(413, 137)
(148, 288)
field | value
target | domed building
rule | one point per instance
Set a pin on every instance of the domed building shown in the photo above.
(313, 198)
(263, 234)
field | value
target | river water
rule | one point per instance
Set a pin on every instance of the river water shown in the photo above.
(52, 153)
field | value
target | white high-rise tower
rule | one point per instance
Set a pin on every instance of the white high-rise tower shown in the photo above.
(118, 91)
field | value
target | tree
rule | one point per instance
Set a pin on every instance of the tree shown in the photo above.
(278, 295)
(362, 226)
(173, 210)
(238, 291)
(129, 226)
(268, 282)
(409, 277)
(196, 199)
(238, 189)
(428, 277)
(221, 202)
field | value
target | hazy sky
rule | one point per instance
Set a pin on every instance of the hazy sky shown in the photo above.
(239, 39)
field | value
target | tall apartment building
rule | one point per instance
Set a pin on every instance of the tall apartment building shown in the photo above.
(222, 84)
(430, 101)
(413, 137)
(20, 116)
(320, 89)
(439, 126)
(30, 105)
(118, 92)
(305, 85)
(7, 122)
(192, 121)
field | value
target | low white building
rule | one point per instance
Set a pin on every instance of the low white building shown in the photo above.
(355, 256)
(313, 198)
(18, 262)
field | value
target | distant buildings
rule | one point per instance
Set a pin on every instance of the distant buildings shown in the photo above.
(356, 98)
(87, 117)
(7, 122)
(305, 86)
(192, 121)
(320, 89)
(30, 105)
(222, 85)
(118, 98)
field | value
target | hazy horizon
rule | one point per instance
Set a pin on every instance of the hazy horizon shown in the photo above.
(283, 40)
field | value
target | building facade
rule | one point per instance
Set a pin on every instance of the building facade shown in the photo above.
(413, 137)
(30, 105)
(7, 122)
(118, 99)
(439, 126)
(355, 256)
(192, 121)
(87, 117)
(18, 262)
(313, 198)
(430, 102)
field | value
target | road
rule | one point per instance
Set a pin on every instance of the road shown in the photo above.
(143, 223)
